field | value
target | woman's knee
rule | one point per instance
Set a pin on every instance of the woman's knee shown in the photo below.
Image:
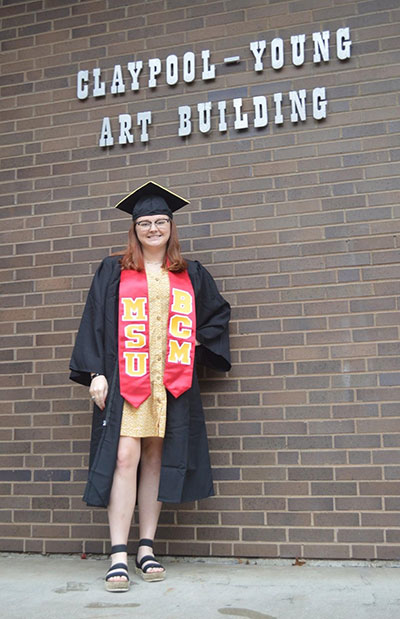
(129, 450)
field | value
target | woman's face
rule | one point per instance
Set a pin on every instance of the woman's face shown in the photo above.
(153, 236)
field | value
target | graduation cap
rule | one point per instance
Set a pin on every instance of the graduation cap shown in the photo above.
(151, 199)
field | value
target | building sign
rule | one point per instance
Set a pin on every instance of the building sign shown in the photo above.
(210, 116)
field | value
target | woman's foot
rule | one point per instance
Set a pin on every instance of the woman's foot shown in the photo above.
(146, 564)
(117, 577)
(118, 557)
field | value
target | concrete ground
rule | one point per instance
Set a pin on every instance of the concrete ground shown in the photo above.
(67, 587)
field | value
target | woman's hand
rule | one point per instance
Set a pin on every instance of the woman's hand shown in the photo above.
(98, 391)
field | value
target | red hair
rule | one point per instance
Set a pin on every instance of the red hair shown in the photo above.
(132, 256)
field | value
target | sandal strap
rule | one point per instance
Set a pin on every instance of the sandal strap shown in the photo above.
(150, 565)
(118, 566)
(146, 542)
(144, 559)
(119, 548)
(154, 563)
(119, 569)
(117, 573)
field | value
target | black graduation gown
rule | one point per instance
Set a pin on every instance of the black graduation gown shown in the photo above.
(185, 470)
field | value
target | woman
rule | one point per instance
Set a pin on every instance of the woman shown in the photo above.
(149, 316)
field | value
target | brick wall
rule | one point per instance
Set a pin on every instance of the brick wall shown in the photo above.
(298, 222)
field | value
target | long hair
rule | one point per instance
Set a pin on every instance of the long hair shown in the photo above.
(132, 257)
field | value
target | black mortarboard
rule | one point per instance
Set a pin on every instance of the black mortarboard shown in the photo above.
(151, 199)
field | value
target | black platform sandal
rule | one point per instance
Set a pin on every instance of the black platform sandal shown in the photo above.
(143, 571)
(118, 569)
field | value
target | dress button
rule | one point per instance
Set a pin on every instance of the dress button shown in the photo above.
(158, 317)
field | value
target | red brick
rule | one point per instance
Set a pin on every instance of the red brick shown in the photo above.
(332, 551)
(311, 535)
(360, 535)
(255, 550)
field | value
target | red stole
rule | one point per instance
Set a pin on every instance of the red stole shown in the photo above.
(133, 336)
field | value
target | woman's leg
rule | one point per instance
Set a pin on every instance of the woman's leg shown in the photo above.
(149, 507)
(123, 495)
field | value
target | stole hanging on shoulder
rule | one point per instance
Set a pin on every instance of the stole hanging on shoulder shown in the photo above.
(133, 336)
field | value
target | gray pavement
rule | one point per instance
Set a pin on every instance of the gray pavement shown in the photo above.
(67, 587)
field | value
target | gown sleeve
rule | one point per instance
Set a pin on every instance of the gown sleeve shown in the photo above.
(212, 323)
(88, 352)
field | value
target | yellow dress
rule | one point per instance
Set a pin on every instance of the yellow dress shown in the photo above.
(149, 418)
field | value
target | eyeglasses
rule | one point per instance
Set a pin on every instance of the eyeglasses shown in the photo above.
(159, 223)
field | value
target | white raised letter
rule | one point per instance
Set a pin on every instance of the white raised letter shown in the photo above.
(241, 121)
(134, 69)
(82, 89)
(154, 70)
(277, 53)
(278, 120)
(321, 45)
(343, 43)
(258, 48)
(298, 101)
(106, 138)
(319, 103)
(185, 124)
(125, 126)
(117, 85)
(208, 70)
(222, 126)
(189, 67)
(204, 110)
(99, 88)
(260, 111)
(144, 119)
(171, 69)
(297, 41)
